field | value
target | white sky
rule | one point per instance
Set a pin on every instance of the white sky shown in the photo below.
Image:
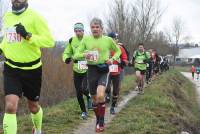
(62, 14)
(189, 11)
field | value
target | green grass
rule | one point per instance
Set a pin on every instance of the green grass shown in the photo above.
(168, 106)
(183, 68)
(64, 117)
(128, 84)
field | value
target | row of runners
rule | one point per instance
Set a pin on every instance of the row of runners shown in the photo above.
(195, 70)
(98, 60)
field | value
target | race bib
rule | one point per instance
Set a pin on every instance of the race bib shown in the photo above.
(82, 65)
(140, 61)
(94, 56)
(12, 36)
(113, 68)
(147, 65)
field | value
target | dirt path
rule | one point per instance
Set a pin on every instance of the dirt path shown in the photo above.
(89, 126)
(196, 82)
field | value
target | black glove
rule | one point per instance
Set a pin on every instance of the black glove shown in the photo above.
(68, 60)
(20, 29)
(130, 64)
(145, 61)
(122, 64)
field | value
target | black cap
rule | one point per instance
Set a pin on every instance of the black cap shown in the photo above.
(112, 35)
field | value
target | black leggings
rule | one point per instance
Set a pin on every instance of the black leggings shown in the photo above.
(80, 82)
(149, 71)
(116, 86)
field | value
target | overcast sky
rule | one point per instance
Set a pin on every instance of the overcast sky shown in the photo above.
(62, 14)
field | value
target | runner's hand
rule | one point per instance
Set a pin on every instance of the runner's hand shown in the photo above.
(145, 61)
(130, 64)
(68, 60)
(124, 63)
(109, 62)
(20, 29)
(87, 56)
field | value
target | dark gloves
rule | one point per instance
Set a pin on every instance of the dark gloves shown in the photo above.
(20, 29)
(68, 60)
(130, 64)
(122, 64)
(145, 61)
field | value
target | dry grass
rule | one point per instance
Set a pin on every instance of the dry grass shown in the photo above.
(57, 84)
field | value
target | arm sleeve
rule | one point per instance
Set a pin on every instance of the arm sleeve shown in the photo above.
(123, 55)
(116, 49)
(43, 38)
(68, 52)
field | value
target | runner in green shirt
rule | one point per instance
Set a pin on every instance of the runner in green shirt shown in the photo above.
(140, 59)
(79, 68)
(96, 50)
(25, 32)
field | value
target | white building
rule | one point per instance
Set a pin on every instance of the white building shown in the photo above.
(189, 55)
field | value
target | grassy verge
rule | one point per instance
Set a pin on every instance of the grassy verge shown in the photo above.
(65, 117)
(168, 106)
(183, 68)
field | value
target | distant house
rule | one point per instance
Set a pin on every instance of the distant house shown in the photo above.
(189, 56)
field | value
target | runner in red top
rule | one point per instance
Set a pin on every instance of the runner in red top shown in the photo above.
(193, 71)
(115, 70)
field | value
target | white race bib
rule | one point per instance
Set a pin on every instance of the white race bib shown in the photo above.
(147, 64)
(140, 62)
(94, 56)
(113, 68)
(82, 65)
(12, 36)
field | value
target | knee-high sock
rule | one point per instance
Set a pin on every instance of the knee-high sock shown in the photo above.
(101, 110)
(37, 120)
(10, 124)
(95, 108)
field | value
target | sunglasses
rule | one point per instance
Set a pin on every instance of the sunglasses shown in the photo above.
(19, 0)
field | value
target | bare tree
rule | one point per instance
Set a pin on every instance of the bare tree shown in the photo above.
(148, 16)
(134, 21)
(159, 41)
(177, 29)
(123, 21)
(177, 33)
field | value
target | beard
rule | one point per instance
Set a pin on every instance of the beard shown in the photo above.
(19, 6)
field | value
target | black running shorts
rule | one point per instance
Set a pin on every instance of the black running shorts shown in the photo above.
(22, 82)
(96, 78)
(142, 72)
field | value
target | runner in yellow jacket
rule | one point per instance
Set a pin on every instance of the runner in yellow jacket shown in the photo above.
(25, 32)
(79, 69)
